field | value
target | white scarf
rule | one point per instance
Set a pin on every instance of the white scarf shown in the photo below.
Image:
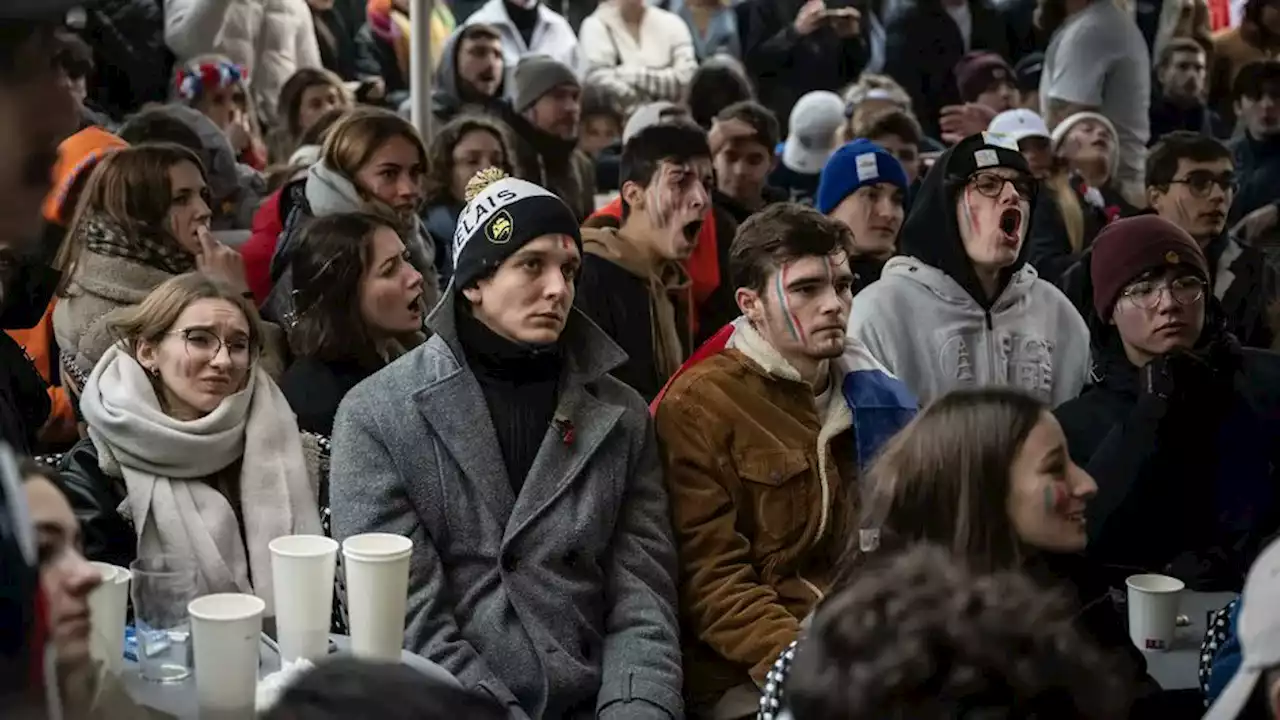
(164, 460)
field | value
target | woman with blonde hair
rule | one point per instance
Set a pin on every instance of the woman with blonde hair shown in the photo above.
(373, 161)
(192, 449)
(143, 218)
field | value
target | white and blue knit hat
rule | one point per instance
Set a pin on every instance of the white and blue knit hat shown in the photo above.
(502, 215)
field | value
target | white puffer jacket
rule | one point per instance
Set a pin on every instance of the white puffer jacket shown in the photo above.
(272, 38)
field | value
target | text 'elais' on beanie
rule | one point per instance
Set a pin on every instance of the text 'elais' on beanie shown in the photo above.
(503, 214)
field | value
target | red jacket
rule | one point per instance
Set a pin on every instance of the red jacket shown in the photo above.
(261, 246)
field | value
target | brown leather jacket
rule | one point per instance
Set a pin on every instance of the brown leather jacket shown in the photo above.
(759, 505)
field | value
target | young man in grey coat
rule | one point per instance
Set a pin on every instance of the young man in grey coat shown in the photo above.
(543, 571)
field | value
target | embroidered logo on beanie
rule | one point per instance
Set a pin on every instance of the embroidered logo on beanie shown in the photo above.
(500, 228)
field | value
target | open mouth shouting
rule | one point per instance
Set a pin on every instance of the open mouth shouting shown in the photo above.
(1011, 225)
(691, 229)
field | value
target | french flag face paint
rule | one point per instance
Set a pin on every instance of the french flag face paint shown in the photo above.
(784, 304)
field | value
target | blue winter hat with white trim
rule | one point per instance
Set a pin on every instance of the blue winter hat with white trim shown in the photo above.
(854, 166)
(502, 215)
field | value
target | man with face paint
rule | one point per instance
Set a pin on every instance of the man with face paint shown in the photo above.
(633, 283)
(864, 187)
(763, 439)
(960, 307)
(1181, 431)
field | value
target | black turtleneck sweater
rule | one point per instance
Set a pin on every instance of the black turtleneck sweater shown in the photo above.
(525, 19)
(520, 384)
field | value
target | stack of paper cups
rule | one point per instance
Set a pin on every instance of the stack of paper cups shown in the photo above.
(108, 604)
(302, 569)
(226, 630)
(377, 578)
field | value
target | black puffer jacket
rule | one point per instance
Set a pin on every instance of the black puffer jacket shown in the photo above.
(132, 65)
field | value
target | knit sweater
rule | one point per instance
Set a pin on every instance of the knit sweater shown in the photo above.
(655, 65)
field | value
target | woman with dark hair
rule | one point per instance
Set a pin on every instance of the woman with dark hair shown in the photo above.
(719, 82)
(359, 306)
(985, 474)
(306, 97)
(462, 148)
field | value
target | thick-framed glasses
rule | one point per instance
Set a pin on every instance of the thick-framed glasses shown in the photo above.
(1201, 182)
(1146, 293)
(989, 184)
(204, 345)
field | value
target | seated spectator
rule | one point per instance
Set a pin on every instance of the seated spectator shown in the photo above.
(1255, 39)
(1028, 130)
(1255, 213)
(192, 449)
(811, 139)
(358, 307)
(528, 28)
(78, 155)
(384, 46)
(719, 82)
(307, 96)
(460, 149)
(633, 285)
(219, 88)
(873, 94)
(1179, 100)
(864, 187)
(742, 142)
(1191, 182)
(897, 133)
(1086, 143)
(762, 456)
(75, 59)
(985, 78)
(373, 161)
(143, 219)
(545, 127)
(1182, 20)
(66, 581)
(235, 189)
(543, 568)
(471, 75)
(921, 636)
(639, 52)
(1180, 427)
(1028, 71)
(348, 688)
(602, 121)
(713, 25)
(1254, 690)
(963, 264)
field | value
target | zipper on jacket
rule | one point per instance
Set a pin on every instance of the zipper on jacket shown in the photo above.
(987, 313)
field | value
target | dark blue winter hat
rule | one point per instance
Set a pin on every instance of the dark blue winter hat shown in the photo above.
(858, 163)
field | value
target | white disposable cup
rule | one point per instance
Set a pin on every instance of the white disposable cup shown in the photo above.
(108, 606)
(376, 569)
(1153, 610)
(302, 569)
(226, 630)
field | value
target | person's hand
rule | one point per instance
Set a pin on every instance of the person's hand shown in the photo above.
(724, 132)
(220, 262)
(847, 22)
(960, 121)
(372, 89)
(810, 17)
(239, 134)
(1258, 222)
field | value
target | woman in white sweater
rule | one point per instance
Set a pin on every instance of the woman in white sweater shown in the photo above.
(271, 38)
(641, 53)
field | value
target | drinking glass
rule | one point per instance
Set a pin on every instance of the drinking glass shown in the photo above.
(163, 586)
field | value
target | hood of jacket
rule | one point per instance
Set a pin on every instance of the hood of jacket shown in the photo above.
(330, 193)
(948, 289)
(446, 98)
(931, 232)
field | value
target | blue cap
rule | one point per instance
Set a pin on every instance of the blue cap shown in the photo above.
(853, 166)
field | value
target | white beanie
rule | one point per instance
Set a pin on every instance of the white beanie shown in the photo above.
(1060, 135)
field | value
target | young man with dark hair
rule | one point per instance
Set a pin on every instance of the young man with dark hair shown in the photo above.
(470, 75)
(1191, 182)
(634, 284)
(1255, 214)
(986, 78)
(1178, 102)
(865, 187)
(742, 140)
(528, 479)
(762, 453)
(899, 134)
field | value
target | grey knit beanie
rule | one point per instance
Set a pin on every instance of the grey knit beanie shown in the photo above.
(537, 75)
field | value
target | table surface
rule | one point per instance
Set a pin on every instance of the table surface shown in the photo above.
(1178, 668)
(178, 699)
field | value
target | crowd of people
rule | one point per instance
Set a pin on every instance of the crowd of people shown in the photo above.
(720, 358)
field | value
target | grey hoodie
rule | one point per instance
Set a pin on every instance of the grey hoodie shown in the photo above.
(327, 192)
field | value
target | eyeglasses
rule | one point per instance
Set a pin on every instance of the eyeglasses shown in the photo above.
(1146, 294)
(204, 345)
(989, 184)
(1201, 182)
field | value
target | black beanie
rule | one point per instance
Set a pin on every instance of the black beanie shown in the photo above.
(502, 215)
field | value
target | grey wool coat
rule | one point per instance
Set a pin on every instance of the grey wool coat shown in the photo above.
(559, 602)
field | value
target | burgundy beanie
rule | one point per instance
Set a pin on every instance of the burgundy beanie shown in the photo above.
(978, 70)
(1127, 248)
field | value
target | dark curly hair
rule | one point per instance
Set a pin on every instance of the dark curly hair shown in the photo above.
(438, 180)
(921, 637)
